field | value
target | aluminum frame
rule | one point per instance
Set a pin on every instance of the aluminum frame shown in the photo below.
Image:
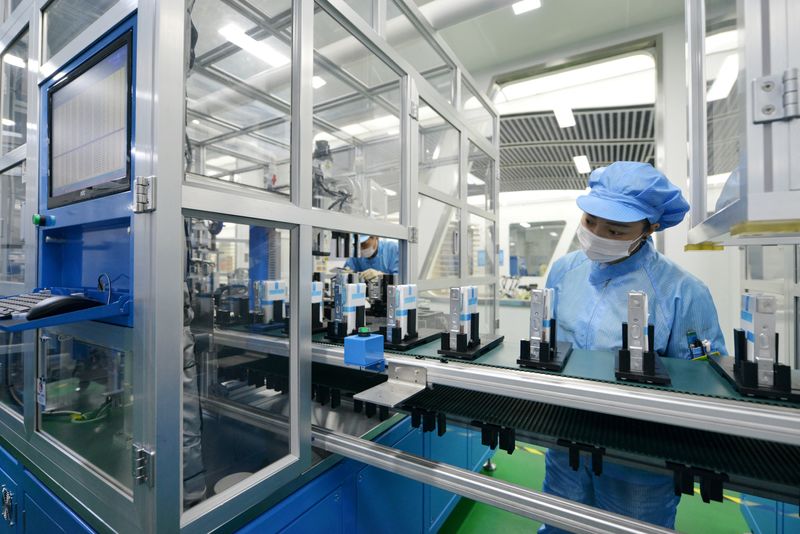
(771, 189)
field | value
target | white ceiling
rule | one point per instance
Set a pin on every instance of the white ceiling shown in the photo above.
(500, 38)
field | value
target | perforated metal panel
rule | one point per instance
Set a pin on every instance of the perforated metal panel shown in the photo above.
(536, 154)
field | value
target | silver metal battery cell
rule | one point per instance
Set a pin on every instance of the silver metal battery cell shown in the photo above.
(637, 329)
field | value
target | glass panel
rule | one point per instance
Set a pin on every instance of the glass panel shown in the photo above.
(475, 113)
(404, 37)
(480, 179)
(486, 298)
(63, 20)
(357, 150)
(724, 107)
(14, 94)
(89, 395)
(12, 5)
(238, 94)
(439, 148)
(768, 262)
(12, 371)
(12, 243)
(438, 239)
(433, 306)
(480, 246)
(237, 281)
(363, 8)
(532, 246)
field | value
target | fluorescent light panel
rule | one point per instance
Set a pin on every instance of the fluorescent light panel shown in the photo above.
(523, 6)
(13, 60)
(582, 164)
(725, 79)
(564, 116)
(525, 224)
(317, 82)
(259, 49)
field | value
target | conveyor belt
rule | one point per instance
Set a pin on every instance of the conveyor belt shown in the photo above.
(761, 460)
(689, 377)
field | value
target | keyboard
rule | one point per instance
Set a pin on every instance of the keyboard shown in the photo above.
(21, 303)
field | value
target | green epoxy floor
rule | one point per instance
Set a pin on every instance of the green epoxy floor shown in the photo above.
(526, 468)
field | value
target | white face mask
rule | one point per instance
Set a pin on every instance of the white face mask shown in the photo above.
(602, 249)
(368, 252)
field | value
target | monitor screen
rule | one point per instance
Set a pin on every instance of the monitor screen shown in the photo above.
(89, 132)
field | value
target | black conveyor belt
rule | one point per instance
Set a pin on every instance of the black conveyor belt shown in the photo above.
(765, 461)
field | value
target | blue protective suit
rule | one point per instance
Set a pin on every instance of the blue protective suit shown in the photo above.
(385, 260)
(590, 306)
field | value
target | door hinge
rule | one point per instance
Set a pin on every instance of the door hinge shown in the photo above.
(413, 110)
(775, 98)
(9, 507)
(143, 465)
(412, 234)
(144, 193)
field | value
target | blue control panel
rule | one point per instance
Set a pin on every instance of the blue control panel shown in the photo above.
(86, 173)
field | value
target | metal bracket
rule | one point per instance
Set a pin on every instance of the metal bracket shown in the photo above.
(9, 507)
(776, 97)
(413, 234)
(404, 382)
(144, 191)
(143, 465)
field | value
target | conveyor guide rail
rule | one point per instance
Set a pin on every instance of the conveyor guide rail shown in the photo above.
(752, 458)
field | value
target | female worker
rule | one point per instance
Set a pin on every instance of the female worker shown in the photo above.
(628, 201)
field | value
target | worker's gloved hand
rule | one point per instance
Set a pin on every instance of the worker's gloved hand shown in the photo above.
(370, 274)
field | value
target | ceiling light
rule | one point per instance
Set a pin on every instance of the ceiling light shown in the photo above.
(381, 123)
(725, 79)
(714, 179)
(317, 82)
(564, 116)
(436, 152)
(8, 122)
(722, 42)
(354, 129)
(393, 131)
(11, 59)
(553, 234)
(582, 164)
(525, 224)
(523, 6)
(195, 121)
(259, 49)
(390, 192)
(474, 180)
(221, 161)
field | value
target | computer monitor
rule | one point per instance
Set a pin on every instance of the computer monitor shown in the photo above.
(89, 128)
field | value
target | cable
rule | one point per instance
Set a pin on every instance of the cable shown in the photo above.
(101, 288)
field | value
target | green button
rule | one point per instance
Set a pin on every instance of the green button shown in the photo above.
(37, 219)
(363, 331)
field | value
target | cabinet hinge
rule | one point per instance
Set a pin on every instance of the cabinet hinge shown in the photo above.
(144, 194)
(775, 97)
(143, 465)
(412, 234)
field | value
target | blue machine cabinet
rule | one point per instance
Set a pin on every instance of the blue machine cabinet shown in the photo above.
(353, 497)
(34, 508)
(765, 516)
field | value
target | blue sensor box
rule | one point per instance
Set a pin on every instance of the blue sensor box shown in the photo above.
(364, 351)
